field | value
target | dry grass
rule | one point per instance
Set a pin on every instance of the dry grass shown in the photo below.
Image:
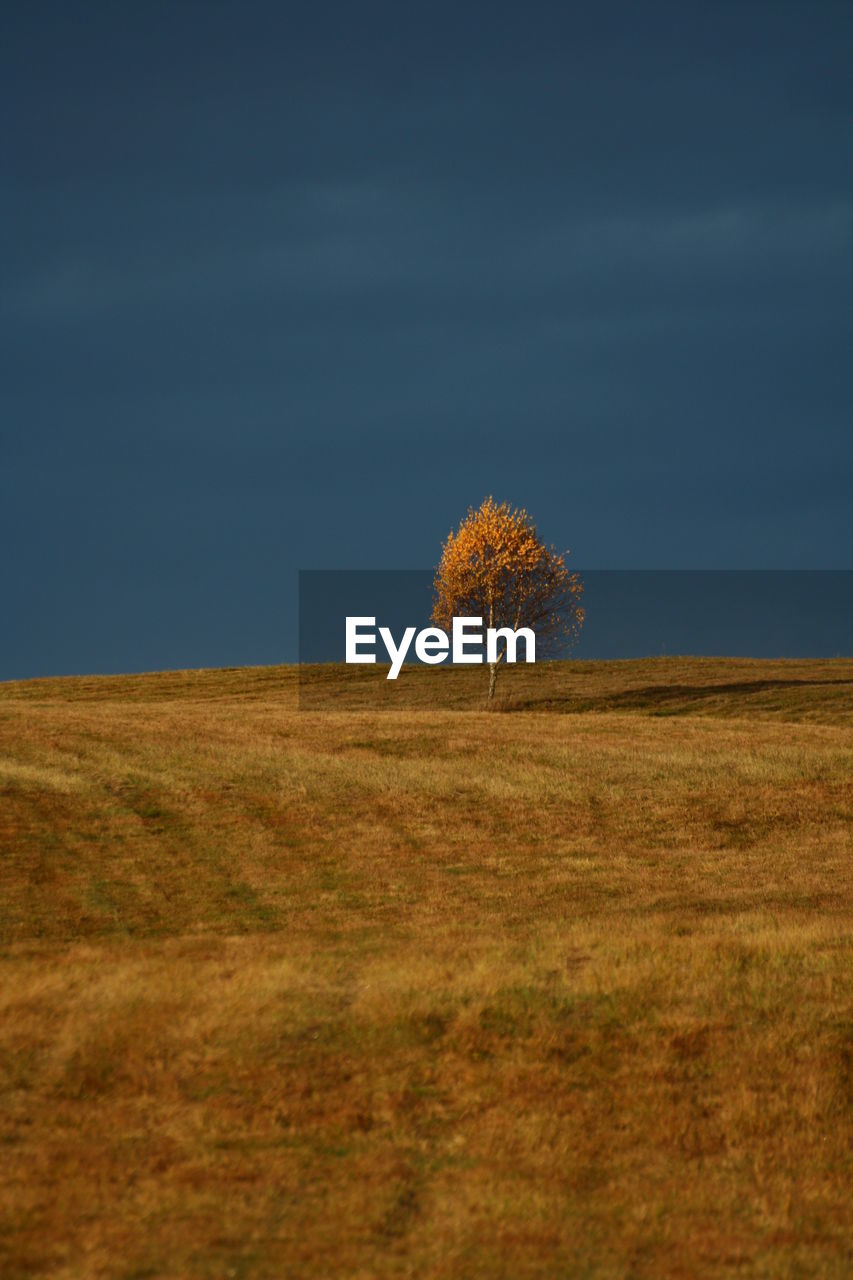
(373, 993)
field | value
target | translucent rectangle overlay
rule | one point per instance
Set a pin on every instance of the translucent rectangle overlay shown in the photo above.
(629, 614)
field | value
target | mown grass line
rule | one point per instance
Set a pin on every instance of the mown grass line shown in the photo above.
(433, 991)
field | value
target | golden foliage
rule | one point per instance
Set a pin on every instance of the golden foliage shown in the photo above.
(497, 567)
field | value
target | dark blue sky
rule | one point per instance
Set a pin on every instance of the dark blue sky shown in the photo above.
(290, 286)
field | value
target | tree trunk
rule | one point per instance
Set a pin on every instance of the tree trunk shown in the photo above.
(493, 678)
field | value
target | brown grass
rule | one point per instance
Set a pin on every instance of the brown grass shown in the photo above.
(428, 992)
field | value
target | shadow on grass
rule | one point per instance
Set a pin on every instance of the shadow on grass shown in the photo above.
(658, 697)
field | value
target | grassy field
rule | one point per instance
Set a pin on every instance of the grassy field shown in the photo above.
(433, 992)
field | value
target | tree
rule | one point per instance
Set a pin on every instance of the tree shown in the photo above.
(497, 568)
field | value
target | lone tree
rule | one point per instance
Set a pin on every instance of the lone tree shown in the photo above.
(497, 568)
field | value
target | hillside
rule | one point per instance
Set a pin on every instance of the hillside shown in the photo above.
(433, 991)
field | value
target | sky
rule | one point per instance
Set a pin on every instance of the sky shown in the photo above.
(288, 287)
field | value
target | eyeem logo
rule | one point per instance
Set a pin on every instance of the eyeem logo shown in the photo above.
(432, 645)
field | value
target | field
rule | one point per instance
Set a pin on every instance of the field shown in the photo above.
(562, 991)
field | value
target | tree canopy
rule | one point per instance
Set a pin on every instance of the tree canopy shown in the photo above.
(496, 566)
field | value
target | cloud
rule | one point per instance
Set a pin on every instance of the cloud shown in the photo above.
(315, 242)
